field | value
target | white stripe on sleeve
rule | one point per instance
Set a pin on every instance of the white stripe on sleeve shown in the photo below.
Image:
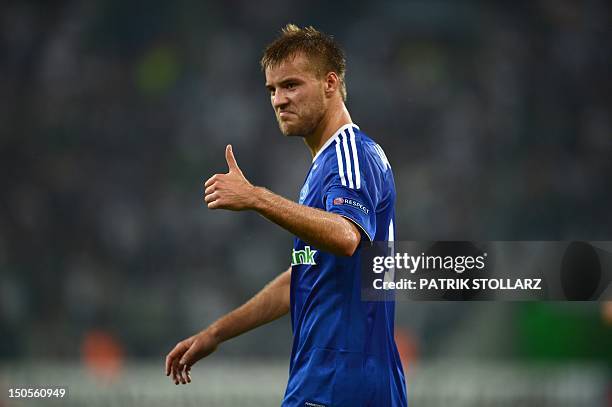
(340, 166)
(355, 158)
(349, 170)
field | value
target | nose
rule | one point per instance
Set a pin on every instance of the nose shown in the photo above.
(280, 99)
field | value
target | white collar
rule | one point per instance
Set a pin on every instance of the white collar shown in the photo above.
(333, 138)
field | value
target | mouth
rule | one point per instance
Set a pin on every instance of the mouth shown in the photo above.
(283, 115)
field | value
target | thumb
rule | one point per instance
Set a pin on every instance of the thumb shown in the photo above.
(229, 157)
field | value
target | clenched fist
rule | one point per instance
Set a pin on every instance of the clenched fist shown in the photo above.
(229, 191)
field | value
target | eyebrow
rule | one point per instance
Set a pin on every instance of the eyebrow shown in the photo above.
(285, 81)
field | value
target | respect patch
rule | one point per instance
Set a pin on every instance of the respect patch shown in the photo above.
(351, 202)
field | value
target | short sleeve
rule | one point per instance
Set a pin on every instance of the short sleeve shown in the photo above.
(357, 205)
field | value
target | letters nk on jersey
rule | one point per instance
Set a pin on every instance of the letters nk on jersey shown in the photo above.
(343, 350)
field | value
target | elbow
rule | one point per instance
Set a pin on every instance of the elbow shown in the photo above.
(348, 251)
(350, 242)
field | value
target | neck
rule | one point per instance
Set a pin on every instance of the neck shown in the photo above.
(332, 121)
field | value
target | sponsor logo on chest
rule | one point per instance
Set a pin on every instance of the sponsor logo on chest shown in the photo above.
(305, 256)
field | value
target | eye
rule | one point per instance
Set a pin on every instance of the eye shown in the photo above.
(290, 85)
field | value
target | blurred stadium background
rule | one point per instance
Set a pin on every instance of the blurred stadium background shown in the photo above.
(497, 119)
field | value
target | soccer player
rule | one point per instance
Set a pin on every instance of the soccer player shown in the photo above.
(344, 352)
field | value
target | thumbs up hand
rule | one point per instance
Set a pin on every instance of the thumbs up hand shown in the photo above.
(229, 191)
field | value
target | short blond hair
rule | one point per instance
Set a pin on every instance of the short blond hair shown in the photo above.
(314, 44)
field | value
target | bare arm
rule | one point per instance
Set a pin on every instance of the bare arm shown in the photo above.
(270, 303)
(327, 231)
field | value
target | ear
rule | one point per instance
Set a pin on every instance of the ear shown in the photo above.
(332, 83)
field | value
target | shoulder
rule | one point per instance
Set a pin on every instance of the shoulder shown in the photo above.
(372, 153)
(350, 144)
(351, 156)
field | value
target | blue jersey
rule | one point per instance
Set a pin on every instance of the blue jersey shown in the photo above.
(344, 353)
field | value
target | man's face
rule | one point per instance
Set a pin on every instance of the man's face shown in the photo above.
(297, 96)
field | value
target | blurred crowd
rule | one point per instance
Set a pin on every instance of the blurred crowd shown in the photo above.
(496, 118)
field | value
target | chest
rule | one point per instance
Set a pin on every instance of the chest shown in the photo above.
(312, 189)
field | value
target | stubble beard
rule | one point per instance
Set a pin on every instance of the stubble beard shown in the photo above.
(302, 128)
(306, 122)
